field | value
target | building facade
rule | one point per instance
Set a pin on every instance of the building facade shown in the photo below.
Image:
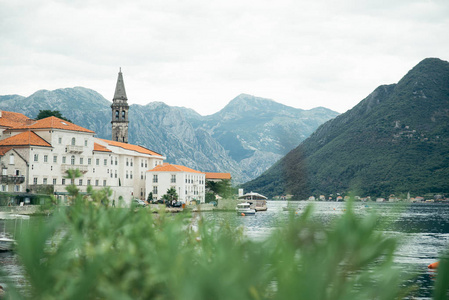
(188, 183)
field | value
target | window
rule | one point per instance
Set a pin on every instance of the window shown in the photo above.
(112, 175)
(126, 174)
(89, 161)
(63, 181)
(54, 181)
(45, 158)
(112, 161)
(73, 141)
(85, 143)
(17, 188)
(36, 157)
(81, 160)
(35, 180)
(146, 166)
(123, 115)
(141, 175)
(63, 159)
(127, 163)
(80, 182)
(141, 163)
(154, 178)
(17, 172)
(55, 159)
(44, 181)
(131, 162)
(11, 159)
(88, 181)
(96, 182)
(155, 190)
(4, 172)
(131, 174)
(115, 174)
(4, 189)
(105, 162)
(173, 178)
(59, 140)
(117, 114)
(97, 161)
(72, 160)
(104, 182)
(116, 161)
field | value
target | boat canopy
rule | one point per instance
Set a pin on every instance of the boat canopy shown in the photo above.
(253, 196)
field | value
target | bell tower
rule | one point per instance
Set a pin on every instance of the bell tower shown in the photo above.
(120, 110)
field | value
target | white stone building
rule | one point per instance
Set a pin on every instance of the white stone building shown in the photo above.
(40, 154)
(188, 183)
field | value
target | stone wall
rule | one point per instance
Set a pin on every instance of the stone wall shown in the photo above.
(22, 210)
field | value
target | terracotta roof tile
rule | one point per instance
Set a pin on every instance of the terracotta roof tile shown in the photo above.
(166, 167)
(4, 150)
(13, 119)
(27, 138)
(98, 147)
(211, 175)
(55, 123)
(131, 147)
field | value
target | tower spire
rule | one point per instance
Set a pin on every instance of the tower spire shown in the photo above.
(120, 111)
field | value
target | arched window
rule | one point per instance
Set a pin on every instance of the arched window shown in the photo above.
(117, 114)
(123, 114)
(72, 160)
(73, 141)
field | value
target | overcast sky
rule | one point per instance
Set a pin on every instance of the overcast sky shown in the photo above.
(202, 53)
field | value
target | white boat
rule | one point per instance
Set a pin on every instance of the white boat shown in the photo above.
(244, 209)
(6, 243)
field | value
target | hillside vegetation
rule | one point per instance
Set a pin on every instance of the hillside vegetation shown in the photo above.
(394, 141)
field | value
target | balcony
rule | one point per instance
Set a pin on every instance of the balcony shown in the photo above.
(74, 149)
(12, 179)
(83, 168)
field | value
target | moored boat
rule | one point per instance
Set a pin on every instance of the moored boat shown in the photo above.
(244, 209)
(6, 242)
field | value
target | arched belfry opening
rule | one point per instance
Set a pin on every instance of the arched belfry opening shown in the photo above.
(120, 110)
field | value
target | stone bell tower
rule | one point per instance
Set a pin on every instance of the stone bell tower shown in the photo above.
(120, 110)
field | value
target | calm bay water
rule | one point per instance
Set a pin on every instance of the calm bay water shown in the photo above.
(423, 230)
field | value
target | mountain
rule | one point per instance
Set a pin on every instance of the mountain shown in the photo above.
(244, 138)
(394, 141)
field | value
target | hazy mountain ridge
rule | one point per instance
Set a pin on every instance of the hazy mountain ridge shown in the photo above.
(244, 142)
(394, 141)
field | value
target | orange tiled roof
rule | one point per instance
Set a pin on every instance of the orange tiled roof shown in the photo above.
(211, 175)
(4, 150)
(27, 138)
(55, 123)
(166, 167)
(131, 147)
(98, 147)
(13, 119)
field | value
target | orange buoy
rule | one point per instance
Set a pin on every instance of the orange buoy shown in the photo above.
(243, 214)
(433, 265)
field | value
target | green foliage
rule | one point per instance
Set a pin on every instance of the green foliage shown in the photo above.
(95, 252)
(394, 141)
(222, 188)
(209, 197)
(170, 195)
(49, 113)
(150, 197)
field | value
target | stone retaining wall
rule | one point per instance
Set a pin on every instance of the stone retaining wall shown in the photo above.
(22, 210)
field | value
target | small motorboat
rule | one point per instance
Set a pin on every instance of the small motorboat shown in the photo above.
(244, 209)
(6, 242)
